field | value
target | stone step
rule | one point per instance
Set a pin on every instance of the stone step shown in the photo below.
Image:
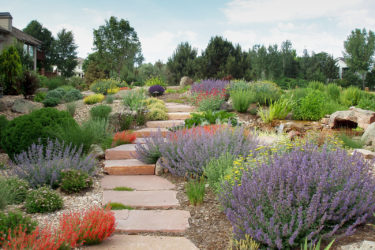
(137, 182)
(161, 199)
(125, 151)
(179, 115)
(128, 167)
(150, 221)
(146, 132)
(164, 124)
(174, 107)
(142, 242)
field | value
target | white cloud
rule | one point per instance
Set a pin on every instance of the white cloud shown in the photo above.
(160, 46)
(266, 11)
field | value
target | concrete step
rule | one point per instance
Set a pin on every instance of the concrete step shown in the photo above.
(136, 182)
(128, 167)
(174, 107)
(179, 115)
(142, 242)
(150, 221)
(164, 124)
(146, 132)
(125, 151)
(160, 199)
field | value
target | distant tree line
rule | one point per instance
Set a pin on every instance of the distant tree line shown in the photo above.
(118, 54)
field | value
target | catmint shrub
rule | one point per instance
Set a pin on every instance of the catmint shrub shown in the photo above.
(306, 192)
(42, 165)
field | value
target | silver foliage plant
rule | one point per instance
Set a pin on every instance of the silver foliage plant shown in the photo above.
(41, 165)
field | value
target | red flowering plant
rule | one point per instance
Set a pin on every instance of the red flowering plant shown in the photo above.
(75, 229)
(209, 94)
(124, 88)
(123, 137)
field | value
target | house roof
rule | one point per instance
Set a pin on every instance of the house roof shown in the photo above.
(22, 36)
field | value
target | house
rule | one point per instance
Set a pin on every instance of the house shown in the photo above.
(342, 66)
(10, 34)
(78, 71)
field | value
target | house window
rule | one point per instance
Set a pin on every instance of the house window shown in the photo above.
(31, 51)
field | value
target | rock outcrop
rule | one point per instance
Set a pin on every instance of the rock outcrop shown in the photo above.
(352, 118)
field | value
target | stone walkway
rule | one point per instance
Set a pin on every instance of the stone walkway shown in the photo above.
(155, 208)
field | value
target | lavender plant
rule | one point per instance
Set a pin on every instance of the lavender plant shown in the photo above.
(187, 152)
(305, 193)
(42, 165)
(149, 152)
(209, 86)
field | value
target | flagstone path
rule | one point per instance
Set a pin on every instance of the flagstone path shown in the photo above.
(155, 208)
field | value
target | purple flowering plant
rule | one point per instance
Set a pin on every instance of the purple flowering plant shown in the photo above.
(209, 86)
(156, 90)
(306, 192)
(42, 165)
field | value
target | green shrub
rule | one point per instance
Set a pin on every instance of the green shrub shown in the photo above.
(240, 85)
(39, 97)
(92, 99)
(109, 99)
(126, 122)
(72, 95)
(156, 114)
(128, 189)
(66, 88)
(56, 93)
(350, 96)
(13, 221)
(316, 85)
(51, 102)
(74, 181)
(211, 117)
(367, 102)
(216, 169)
(280, 108)
(4, 193)
(152, 101)
(291, 83)
(311, 107)
(245, 244)
(157, 106)
(210, 103)
(265, 92)
(333, 91)
(265, 114)
(140, 118)
(77, 83)
(43, 200)
(17, 189)
(195, 191)
(134, 99)
(53, 83)
(90, 132)
(3, 124)
(155, 81)
(71, 108)
(102, 86)
(349, 142)
(241, 99)
(23, 131)
(100, 112)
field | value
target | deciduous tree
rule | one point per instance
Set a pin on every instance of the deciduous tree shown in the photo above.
(64, 53)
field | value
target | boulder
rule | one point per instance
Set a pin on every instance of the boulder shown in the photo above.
(158, 168)
(87, 93)
(226, 106)
(97, 151)
(3, 106)
(24, 106)
(185, 81)
(366, 244)
(368, 137)
(367, 154)
(352, 118)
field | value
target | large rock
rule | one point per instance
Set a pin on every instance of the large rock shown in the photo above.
(185, 81)
(352, 118)
(121, 94)
(24, 106)
(368, 137)
(3, 106)
(366, 244)
(367, 154)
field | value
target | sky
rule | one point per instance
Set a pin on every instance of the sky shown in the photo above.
(318, 25)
